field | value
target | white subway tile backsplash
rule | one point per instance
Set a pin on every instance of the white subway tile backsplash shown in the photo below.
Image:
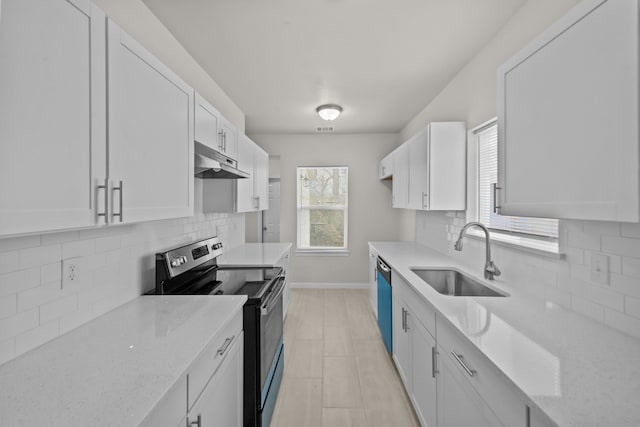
(58, 308)
(632, 306)
(9, 261)
(17, 243)
(566, 281)
(51, 272)
(631, 230)
(21, 322)
(621, 246)
(17, 281)
(631, 267)
(8, 305)
(587, 308)
(105, 244)
(78, 248)
(36, 336)
(41, 255)
(580, 239)
(117, 265)
(37, 296)
(622, 322)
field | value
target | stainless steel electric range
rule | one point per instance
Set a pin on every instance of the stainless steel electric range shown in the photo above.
(193, 270)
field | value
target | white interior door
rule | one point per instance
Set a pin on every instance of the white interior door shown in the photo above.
(271, 216)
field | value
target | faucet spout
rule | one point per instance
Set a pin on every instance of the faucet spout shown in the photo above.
(490, 269)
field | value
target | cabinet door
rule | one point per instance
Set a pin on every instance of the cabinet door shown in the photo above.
(206, 123)
(568, 118)
(385, 169)
(419, 170)
(401, 348)
(423, 347)
(229, 136)
(52, 114)
(220, 403)
(373, 281)
(400, 186)
(458, 402)
(150, 134)
(261, 180)
(245, 186)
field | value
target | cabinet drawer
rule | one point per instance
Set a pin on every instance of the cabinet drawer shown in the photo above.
(484, 377)
(209, 360)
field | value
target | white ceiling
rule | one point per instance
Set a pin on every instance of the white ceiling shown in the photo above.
(382, 60)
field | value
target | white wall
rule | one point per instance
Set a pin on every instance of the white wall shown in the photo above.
(471, 96)
(370, 214)
(117, 262)
(136, 19)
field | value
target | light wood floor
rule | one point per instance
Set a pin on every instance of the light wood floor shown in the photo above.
(337, 371)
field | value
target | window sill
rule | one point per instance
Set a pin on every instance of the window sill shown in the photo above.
(533, 246)
(323, 252)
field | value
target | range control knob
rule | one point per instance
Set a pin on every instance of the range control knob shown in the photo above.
(175, 262)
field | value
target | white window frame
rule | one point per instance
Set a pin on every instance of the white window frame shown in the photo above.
(527, 242)
(321, 250)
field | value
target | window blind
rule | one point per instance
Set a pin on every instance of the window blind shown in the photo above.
(487, 138)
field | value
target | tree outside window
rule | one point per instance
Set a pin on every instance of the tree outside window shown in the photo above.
(322, 208)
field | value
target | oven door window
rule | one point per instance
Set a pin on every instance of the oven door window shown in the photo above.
(270, 328)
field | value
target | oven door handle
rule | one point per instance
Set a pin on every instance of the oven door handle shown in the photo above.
(273, 300)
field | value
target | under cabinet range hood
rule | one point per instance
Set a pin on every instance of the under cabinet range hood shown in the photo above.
(209, 164)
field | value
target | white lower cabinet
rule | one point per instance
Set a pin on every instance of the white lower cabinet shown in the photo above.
(220, 403)
(414, 352)
(458, 403)
(449, 381)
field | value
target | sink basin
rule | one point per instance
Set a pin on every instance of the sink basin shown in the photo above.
(454, 283)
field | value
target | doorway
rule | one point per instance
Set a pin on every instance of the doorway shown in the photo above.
(271, 216)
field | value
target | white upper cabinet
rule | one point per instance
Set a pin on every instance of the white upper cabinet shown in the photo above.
(52, 115)
(400, 185)
(385, 169)
(206, 125)
(228, 137)
(150, 138)
(568, 118)
(429, 170)
(437, 167)
(213, 130)
(244, 194)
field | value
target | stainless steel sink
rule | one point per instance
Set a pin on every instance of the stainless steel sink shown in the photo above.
(454, 283)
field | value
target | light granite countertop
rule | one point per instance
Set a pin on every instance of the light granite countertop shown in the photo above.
(254, 255)
(575, 370)
(113, 370)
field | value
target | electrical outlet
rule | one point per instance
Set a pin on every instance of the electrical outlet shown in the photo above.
(71, 271)
(599, 268)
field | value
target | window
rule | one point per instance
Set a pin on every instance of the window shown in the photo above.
(545, 229)
(322, 208)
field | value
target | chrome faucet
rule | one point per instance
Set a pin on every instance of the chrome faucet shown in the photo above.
(490, 269)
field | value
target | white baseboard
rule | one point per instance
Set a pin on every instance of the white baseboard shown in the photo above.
(330, 285)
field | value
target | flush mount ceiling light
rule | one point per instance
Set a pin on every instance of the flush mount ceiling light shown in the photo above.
(329, 111)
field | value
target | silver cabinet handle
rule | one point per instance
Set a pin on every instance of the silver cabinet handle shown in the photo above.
(105, 187)
(425, 200)
(403, 319)
(226, 345)
(221, 134)
(495, 188)
(120, 189)
(406, 321)
(458, 357)
(434, 366)
(197, 422)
